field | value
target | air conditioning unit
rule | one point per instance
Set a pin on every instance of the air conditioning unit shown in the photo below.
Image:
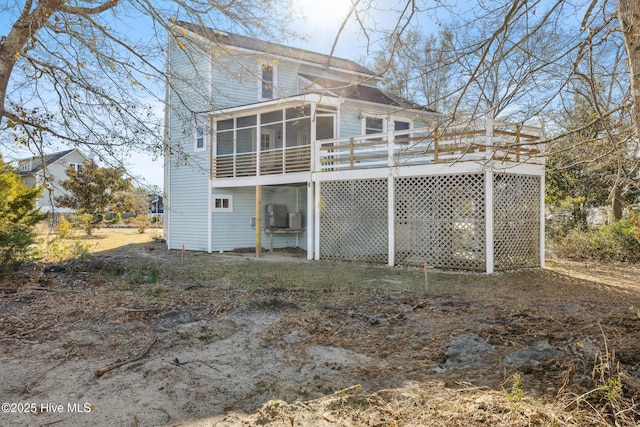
(295, 220)
(275, 216)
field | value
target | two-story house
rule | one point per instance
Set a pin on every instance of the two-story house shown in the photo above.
(282, 147)
(49, 170)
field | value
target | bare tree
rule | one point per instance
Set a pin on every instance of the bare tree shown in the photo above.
(520, 59)
(629, 18)
(420, 68)
(90, 73)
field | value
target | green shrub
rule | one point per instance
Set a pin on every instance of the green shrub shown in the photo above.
(18, 217)
(64, 228)
(618, 241)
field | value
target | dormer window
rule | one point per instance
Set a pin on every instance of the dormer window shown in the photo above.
(267, 81)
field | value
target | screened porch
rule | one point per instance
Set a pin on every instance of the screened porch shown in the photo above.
(271, 142)
(282, 141)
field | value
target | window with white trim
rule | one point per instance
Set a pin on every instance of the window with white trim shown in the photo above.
(401, 125)
(373, 125)
(76, 166)
(267, 81)
(221, 203)
(199, 142)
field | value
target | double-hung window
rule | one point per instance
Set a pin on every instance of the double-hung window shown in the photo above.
(401, 138)
(199, 142)
(373, 125)
(267, 81)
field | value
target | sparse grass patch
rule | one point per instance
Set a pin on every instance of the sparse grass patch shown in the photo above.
(516, 394)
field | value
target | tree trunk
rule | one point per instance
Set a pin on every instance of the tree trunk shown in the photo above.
(629, 17)
(15, 43)
(616, 201)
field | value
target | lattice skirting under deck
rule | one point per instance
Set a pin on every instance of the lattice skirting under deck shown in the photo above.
(516, 219)
(440, 220)
(353, 223)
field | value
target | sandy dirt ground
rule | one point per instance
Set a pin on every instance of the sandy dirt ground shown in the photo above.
(139, 336)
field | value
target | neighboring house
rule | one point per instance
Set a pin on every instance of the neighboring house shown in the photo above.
(50, 170)
(282, 147)
(154, 203)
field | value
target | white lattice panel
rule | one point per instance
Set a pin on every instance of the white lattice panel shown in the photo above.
(353, 220)
(440, 220)
(516, 221)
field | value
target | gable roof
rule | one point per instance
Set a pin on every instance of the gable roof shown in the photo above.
(256, 45)
(360, 92)
(37, 162)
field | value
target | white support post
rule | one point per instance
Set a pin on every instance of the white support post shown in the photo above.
(390, 142)
(209, 218)
(542, 224)
(489, 138)
(316, 232)
(391, 223)
(310, 221)
(258, 144)
(314, 149)
(210, 187)
(488, 217)
(259, 221)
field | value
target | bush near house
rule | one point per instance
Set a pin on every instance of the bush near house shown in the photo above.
(618, 241)
(18, 216)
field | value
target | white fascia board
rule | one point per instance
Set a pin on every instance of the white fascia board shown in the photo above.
(432, 169)
(350, 175)
(251, 181)
(280, 102)
(517, 168)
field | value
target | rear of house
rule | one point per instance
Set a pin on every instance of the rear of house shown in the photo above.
(276, 147)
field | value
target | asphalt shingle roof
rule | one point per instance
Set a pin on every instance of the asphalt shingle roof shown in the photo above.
(362, 92)
(38, 161)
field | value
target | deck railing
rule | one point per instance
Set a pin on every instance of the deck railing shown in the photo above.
(475, 141)
(472, 141)
(268, 162)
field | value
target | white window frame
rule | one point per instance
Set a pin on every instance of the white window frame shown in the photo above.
(274, 77)
(403, 120)
(372, 116)
(271, 133)
(363, 126)
(225, 205)
(196, 136)
(76, 166)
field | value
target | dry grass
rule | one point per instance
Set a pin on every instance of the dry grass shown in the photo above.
(131, 281)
